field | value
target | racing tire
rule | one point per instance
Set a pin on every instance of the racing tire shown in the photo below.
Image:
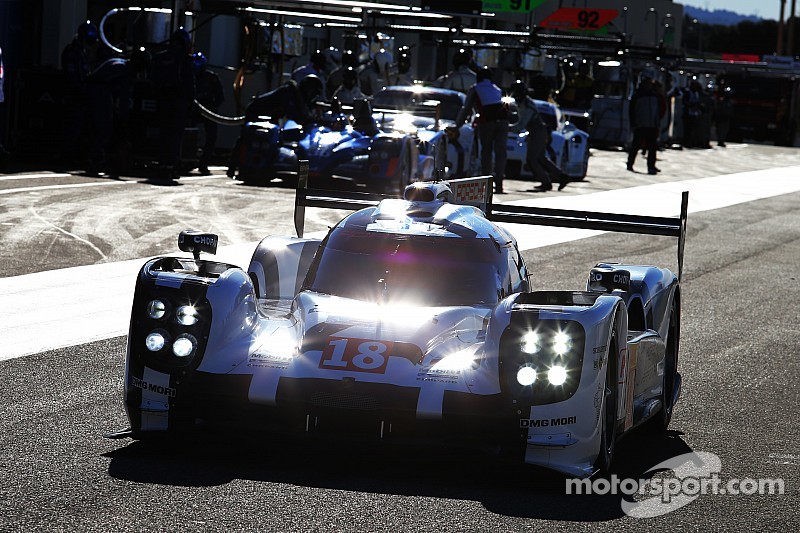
(659, 423)
(404, 173)
(608, 416)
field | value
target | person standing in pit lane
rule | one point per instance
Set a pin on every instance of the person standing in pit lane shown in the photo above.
(646, 109)
(209, 94)
(461, 78)
(492, 128)
(173, 81)
(77, 61)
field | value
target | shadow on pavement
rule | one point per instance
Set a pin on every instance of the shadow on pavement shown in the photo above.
(500, 486)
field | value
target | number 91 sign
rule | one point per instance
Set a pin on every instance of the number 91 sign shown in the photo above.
(575, 18)
(512, 6)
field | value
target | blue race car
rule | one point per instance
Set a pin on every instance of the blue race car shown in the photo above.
(341, 150)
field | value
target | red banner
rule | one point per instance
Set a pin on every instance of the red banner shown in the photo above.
(579, 18)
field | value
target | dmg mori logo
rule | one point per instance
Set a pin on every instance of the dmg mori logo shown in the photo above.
(547, 422)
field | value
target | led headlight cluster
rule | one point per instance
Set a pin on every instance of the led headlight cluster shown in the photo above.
(174, 334)
(534, 342)
(542, 359)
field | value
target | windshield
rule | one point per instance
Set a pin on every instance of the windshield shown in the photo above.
(414, 270)
(406, 100)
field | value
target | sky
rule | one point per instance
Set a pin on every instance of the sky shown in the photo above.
(768, 9)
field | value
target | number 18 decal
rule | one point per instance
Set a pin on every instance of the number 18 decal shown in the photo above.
(359, 355)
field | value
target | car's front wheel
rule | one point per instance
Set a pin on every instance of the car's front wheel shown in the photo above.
(608, 416)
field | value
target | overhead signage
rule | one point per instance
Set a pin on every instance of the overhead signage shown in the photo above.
(511, 6)
(579, 18)
(741, 58)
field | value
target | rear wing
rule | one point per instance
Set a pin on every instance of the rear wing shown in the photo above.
(477, 192)
(566, 218)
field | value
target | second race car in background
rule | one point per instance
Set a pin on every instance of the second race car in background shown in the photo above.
(404, 104)
(569, 147)
(340, 150)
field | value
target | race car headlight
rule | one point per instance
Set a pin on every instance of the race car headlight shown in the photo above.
(156, 340)
(156, 309)
(561, 343)
(526, 376)
(184, 345)
(557, 375)
(187, 315)
(531, 342)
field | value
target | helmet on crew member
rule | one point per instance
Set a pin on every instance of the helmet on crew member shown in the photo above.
(318, 60)
(181, 38)
(88, 33)
(310, 87)
(141, 60)
(333, 57)
(349, 59)
(518, 90)
(349, 77)
(461, 58)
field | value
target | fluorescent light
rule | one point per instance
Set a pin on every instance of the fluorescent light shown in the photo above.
(302, 15)
(415, 14)
(495, 32)
(440, 29)
(364, 5)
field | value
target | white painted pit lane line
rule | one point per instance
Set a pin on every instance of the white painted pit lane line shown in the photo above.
(12, 177)
(65, 186)
(61, 308)
(90, 184)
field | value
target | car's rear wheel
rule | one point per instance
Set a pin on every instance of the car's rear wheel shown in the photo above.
(608, 415)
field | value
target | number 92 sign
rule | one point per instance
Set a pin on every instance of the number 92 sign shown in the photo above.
(575, 18)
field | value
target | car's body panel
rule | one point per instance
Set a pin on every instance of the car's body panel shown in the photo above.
(568, 149)
(461, 154)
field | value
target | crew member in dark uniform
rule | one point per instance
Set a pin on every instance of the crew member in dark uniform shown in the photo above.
(209, 94)
(492, 128)
(77, 60)
(291, 101)
(173, 81)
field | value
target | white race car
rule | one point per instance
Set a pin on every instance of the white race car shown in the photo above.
(413, 317)
(569, 148)
(462, 160)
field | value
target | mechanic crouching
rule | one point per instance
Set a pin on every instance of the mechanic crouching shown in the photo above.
(291, 101)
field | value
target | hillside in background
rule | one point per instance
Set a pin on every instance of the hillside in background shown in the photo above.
(722, 17)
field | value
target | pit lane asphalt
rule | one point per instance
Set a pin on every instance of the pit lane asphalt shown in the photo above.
(738, 359)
